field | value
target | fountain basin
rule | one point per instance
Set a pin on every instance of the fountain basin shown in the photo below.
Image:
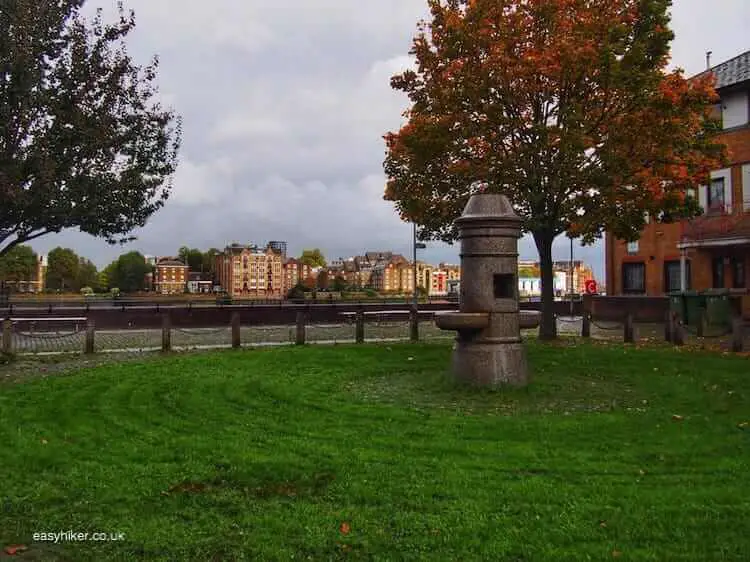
(462, 321)
(468, 321)
(529, 319)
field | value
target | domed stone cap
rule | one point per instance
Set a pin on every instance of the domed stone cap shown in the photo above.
(483, 206)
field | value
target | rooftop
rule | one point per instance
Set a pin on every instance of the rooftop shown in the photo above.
(731, 72)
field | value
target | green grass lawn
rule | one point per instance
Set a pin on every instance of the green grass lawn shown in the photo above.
(371, 453)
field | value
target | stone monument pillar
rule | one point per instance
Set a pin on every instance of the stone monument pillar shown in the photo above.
(488, 349)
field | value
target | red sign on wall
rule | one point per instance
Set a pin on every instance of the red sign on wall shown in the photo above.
(590, 287)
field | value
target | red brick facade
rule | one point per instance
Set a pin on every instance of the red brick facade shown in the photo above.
(716, 245)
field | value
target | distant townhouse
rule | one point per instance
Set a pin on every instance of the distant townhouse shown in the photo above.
(171, 276)
(200, 282)
(296, 272)
(247, 271)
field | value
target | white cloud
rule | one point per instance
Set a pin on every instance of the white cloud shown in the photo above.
(285, 105)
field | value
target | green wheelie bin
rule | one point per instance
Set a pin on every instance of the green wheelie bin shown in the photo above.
(718, 308)
(695, 303)
(677, 305)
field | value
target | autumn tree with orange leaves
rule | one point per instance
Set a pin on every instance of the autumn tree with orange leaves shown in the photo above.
(564, 106)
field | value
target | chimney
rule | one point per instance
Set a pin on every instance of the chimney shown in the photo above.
(708, 60)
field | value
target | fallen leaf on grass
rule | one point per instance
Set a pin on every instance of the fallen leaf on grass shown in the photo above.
(676, 417)
(602, 524)
(410, 359)
(14, 549)
(44, 441)
(345, 528)
(743, 425)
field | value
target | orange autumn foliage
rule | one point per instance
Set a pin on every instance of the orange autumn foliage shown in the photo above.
(565, 106)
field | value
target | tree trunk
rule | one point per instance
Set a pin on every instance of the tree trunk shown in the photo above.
(548, 326)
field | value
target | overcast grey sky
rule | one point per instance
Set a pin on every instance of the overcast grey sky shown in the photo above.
(284, 108)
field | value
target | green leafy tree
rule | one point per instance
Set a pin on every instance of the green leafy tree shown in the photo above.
(532, 272)
(129, 272)
(297, 292)
(88, 276)
(19, 264)
(62, 270)
(339, 283)
(209, 260)
(84, 141)
(566, 107)
(322, 280)
(313, 258)
(192, 257)
(107, 277)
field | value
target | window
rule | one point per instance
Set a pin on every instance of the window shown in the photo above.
(716, 194)
(672, 276)
(717, 273)
(632, 247)
(738, 273)
(634, 277)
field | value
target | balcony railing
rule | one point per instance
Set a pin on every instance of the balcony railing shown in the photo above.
(719, 221)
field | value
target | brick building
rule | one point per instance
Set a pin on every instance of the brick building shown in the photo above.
(713, 250)
(396, 276)
(251, 272)
(439, 283)
(295, 272)
(171, 276)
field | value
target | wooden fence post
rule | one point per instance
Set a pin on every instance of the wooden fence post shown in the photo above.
(359, 334)
(586, 325)
(738, 334)
(236, 330)
(413, 324)
(166, 333)
(90, 335)
(678, 330)
(629, 334)
(300, 340)
(7, 343)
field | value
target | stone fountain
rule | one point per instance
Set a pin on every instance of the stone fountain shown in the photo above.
(489, 350)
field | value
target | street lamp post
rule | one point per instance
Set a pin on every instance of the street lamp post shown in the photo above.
(415, 246)
(414, 264)
(571, 276)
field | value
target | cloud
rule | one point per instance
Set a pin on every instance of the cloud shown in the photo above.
(284, 107)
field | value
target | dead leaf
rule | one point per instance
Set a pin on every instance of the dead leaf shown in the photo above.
(676, 417)
(743, 425)
(14, 549)
(44, 441)
(602, 524)
(410, 359)
(345, 528)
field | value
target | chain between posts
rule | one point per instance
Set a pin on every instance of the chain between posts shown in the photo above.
(617, 326)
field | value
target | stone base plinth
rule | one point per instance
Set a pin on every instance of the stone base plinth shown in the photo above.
(490, 364)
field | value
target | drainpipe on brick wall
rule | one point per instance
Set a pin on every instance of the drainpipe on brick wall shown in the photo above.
(683, 270)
